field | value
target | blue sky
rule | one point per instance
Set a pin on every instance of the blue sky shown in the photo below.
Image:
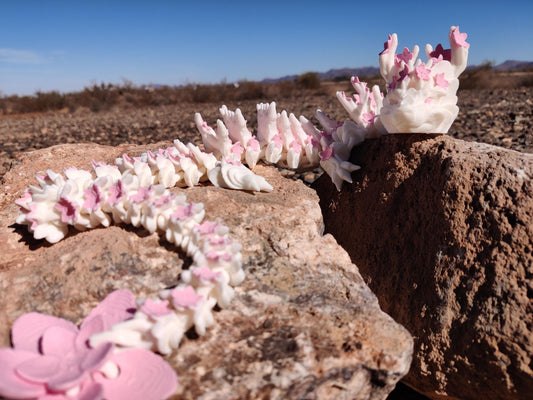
(67, 45)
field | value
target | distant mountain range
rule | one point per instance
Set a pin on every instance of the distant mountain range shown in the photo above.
(513, 65)
(341, 73)
(331, 74)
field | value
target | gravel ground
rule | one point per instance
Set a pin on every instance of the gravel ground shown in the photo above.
(500, 117)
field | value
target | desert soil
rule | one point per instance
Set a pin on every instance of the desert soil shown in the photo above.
(499, 117)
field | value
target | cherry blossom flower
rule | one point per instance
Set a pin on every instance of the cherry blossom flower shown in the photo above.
(52, 357)
(297, 147)
(68, 210)
(278, 141)
(237, 150)
(422, 72)
(186, 297)
(253, 144)
(155, 309)
(440, 81)
(405, 57)
(441, 52)
(93, 198)
(459, 39)
(116, 192)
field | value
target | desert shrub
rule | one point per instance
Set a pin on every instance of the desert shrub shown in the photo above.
(279, 90)
(49, 101)
(479, 77)
(104, 96)
(203, 93)
(308, 80)
(527, 80)
(98, 97)
(247, 90)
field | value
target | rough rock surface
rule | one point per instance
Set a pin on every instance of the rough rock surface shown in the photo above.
(303, 324)
(442, 231)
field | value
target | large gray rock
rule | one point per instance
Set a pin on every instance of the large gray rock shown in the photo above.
(442, 231)
(303, 325)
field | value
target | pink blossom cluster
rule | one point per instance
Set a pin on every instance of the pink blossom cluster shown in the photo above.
(51, 358)
(421, 96)
(178, 165)
(407, 70)
(284, 140)
(365, 106)
(281, 138)
(160, 324)
(84, 202)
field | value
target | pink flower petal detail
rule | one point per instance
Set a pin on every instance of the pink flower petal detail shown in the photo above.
(327, 136)
(297, 147)
(185, 297)
(368, 118)
(58, 341)
(142, 194)
(403, 73)
(406, 56)
(441, 81)
(67, 208)
(237, 149)
(91, 326)
(116, 192)
(182, 212)
(422, 72)
(90, 391)
(96, 358)
(372, 100)
(205, 274)
(459, 39)
(39, 369)
(214, 256)
(439, 51)
(278, 141)
(232, 161)
(207, 227)
(161, 201)
(24, 200)
(218, 240)
(93, 197)
(143, 375)
(11, 384)
(118, 306)
(155, 309)
(68, 377)
(29, 328)
(51, 396)
(326, 154)
(253, 144)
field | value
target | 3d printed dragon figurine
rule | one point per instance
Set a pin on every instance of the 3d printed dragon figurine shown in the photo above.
(114, 345)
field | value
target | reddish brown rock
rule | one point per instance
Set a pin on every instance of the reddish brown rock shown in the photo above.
(442, 231)
(302, 325)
